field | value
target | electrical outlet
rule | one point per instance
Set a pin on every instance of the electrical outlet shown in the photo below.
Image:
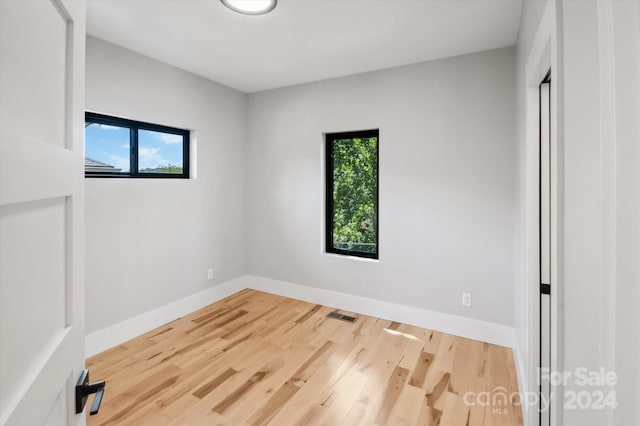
(210, 274)
(466, 299)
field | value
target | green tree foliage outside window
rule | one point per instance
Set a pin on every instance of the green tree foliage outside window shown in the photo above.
(355, 193)
(169, 168)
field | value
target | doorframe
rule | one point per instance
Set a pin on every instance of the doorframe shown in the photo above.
(545, 54)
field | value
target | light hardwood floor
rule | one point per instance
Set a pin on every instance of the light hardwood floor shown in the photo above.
(256, 358)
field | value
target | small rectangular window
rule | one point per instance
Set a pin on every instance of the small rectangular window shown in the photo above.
(352, 193)
(117, 147)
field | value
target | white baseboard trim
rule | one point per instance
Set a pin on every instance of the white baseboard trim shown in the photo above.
(114, 335)
(452, 324)
(484, 331)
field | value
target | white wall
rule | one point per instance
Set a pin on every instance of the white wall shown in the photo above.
(149, 242)
(447, 190)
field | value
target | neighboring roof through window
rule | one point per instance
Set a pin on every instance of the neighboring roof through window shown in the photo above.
(91, 165)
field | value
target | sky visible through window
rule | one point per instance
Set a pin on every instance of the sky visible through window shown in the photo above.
(157, 151)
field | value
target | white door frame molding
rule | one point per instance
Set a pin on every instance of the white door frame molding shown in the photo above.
(545, 54)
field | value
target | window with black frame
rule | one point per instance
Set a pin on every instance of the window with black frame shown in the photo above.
(352, 193)
(118, 147)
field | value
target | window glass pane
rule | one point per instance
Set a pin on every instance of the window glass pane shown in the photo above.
(107, 148)
(159, 152)
(355, 174)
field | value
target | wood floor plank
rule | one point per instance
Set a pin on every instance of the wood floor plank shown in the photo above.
(454, 411)
(420, 369)
(307, 315)
(304, 404)
(256, 358)
(392, 393)
(205, 389)
(274, 404)
(338, 404)
(407, 408)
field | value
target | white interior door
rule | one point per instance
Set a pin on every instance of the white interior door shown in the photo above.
(41, 210)
(545, 246)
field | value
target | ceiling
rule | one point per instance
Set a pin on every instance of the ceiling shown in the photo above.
(302, 40)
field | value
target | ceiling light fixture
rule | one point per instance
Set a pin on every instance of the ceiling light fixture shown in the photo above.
(251, 7)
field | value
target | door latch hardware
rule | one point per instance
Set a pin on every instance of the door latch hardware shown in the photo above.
(84, 389)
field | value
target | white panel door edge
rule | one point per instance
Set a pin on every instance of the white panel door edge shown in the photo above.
(41, 210)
